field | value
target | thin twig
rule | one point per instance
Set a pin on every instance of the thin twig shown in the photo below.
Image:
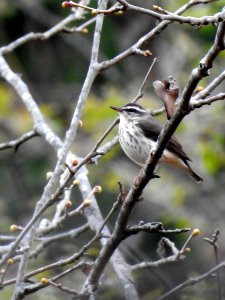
(141, 90)
(192, 281)
(16, 143)
(173, 17)
(213, 242)
(147, 171)
(155, 227)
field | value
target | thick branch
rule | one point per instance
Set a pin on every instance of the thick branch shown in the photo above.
(147, 172)
(40, 126)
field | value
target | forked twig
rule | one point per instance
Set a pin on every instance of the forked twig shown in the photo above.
(18, 142)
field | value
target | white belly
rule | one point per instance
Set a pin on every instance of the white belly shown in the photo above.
(135, 148)
(139, 148)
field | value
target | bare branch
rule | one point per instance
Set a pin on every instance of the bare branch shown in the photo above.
(155, 227)
(37, 286)
(141, 90)
(147, 172)
(146, 38)
(69, 166)
(192, 281)
(211, 87)
(41, 127)
(16, 143)
(158, 263)
(173, 17)
(213, 241)
(207, 101)
(39, 36)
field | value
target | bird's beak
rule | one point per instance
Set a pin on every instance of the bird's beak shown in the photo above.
(118, 109)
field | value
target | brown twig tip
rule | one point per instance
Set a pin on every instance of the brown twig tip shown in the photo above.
(68, 204)
(147, 53)
(66, 4)
(74, 162)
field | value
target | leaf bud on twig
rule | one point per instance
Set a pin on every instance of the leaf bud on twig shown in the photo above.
(75, 182)
(118, 13)
(97, 189)
(187, 250)
(14, 228)
(94, 12)
(155, 7)
(10, 261)
(147, 53)
(196, 232)
(68, 204)
(44, 280)
(198, 89)
(85, 31)
(66, 4)
(74, 162)
(49, 175)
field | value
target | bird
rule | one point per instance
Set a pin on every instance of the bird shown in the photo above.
(138, 133)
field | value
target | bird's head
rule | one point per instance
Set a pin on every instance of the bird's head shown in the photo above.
(130, 111)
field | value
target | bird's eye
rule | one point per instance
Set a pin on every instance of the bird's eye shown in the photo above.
(132, 110)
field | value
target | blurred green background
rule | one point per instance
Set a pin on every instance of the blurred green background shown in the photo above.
(54, 71)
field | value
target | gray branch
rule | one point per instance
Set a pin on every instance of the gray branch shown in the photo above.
(147, 172)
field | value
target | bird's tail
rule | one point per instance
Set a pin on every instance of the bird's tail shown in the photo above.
(194, 175)
(181, 164)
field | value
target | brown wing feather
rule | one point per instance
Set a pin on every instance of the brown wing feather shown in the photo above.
(152, 129)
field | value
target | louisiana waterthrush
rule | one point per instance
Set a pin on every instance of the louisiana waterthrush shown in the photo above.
(138, 133)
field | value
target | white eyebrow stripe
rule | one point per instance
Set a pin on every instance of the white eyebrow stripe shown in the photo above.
(134, 108)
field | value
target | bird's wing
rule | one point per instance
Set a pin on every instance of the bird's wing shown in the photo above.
(151, 129)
